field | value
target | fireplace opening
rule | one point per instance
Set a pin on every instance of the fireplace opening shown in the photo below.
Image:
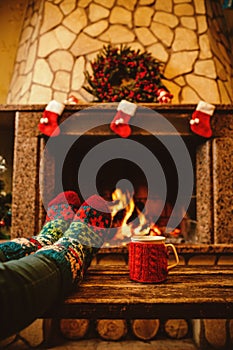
(130, 215)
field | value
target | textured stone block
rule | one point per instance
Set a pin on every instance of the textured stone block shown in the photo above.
(83, 27)
(222, 189)
(204, 193)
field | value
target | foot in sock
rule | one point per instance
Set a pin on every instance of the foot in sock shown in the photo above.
(86, 234)
(61, 211)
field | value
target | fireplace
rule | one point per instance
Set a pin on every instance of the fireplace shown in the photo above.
(210, 204)
(58, 41)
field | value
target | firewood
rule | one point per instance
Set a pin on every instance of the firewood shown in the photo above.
(73, 328)
(111, 329)
(145, 329)
(176, 328)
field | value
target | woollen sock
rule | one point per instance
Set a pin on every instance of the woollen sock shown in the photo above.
(48, 124)
(120, 123)
(61, 211)
(200, 122)
(74, 251)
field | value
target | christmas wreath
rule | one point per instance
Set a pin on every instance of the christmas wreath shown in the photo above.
(123, 73)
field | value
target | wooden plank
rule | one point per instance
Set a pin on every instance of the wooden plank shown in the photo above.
(187, 293)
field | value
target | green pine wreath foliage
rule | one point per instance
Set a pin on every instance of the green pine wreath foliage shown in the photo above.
(123, 73)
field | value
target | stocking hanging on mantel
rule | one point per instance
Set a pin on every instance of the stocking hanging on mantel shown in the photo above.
(164, 96)
(71, 100)
(200, 122)
(48, 124)
(120, 123)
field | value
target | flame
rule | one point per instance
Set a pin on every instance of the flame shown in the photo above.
(155, 230)
(129, 211)
(121, 201)
(129, 220)
(124, 201)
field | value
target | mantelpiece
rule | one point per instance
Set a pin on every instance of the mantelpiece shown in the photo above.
(214, 180)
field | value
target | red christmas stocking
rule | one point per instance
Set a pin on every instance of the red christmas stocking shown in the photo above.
(164, 96)
(200, 122)
(125, 111)
(48, 123)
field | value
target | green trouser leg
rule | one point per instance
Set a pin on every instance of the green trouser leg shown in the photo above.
(28, 288)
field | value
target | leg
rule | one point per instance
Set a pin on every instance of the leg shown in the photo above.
(60, 213)
(31, 285)
(28, 287)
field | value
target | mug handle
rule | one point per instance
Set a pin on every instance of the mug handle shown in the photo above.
(176, 256)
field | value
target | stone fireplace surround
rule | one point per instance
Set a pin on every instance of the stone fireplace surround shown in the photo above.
(60, 39)
(214, 182)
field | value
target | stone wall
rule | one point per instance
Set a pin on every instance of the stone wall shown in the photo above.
(61, 37)
(12, 15)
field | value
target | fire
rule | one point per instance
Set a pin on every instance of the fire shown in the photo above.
(129, 219)
(145, 227)
(155, 231)
(124, 203)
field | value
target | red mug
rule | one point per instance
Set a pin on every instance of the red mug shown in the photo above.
(148, 259)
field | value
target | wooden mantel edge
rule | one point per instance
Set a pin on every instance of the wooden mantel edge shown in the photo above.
(80, 106)
(184, 248)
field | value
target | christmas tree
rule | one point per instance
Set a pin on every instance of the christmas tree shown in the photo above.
(5, 205)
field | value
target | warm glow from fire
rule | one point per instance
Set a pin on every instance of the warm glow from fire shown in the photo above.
(124, 202)
(129, 220)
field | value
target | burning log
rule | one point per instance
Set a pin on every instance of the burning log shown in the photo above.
(74, 328)
(145, 329)
(111, 329)
(176, 328)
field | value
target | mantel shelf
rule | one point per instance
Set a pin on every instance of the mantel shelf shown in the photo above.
(87, 114)
(184, 248)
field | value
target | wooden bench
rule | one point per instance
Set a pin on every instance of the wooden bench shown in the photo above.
(189, 292)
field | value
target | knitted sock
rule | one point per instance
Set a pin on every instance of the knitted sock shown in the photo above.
(75, 250)
(60, 213)
(63, 206)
